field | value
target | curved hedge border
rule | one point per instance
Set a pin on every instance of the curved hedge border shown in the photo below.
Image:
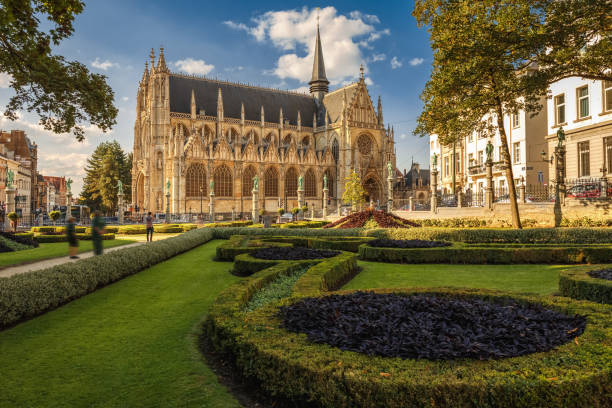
(578, 284)
(460, 253)
(576, 374)
(45, 239)
(29, 294)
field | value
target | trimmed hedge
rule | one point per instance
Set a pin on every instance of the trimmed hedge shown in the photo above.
(29, 294)
(576, 374)
(460, 253)
(246, 265)
(58, 229)
(240, 244)
(45, 239)
(578, 284)
(304, 224)
(18, 242)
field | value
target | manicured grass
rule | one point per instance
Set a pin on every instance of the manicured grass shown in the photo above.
(131, 344)
(540, 279)
(51, 250)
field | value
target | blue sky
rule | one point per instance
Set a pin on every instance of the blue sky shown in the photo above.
(264, 43)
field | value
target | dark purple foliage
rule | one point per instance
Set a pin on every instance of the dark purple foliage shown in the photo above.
(407, 243)
(601, 274)
(293, 253)
(429, 326)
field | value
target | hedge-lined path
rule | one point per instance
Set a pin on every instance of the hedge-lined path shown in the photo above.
(540, 279)
(130, 344)
(47, 263)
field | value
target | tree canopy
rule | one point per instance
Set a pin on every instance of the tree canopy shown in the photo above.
(107, 164)
(353, 190)
(63, 93)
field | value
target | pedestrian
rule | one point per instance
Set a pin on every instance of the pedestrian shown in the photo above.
(149, 222)
(97, 230)
(73, 242)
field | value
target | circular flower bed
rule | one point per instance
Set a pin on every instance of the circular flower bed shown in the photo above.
(430, 327)
(605, 274)
(293, 253)
(377, 218)
(407, 243)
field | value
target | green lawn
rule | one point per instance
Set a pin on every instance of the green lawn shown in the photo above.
(541, 279)
(131, 344)
(51, 250)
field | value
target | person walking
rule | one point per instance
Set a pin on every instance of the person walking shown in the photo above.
(97, 230)
(149, 222)
(73, 242)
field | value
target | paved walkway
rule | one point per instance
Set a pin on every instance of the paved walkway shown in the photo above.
(47, 263)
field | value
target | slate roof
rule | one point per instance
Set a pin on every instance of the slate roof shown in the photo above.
(333, 101)
(233, 94)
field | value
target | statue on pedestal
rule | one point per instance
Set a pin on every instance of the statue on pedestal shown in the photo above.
(489, 151)
(300, 183)
(434, 162)
(119, 187)
(68, 183)
(212, 187)
(256, 183)
(561, 136)
(167, 186)
(325, 180)
(390, 169)
(10, 177)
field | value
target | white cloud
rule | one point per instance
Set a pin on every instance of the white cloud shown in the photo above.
(396, 63)
(416, 61)
(378, 57)
(369, 82)
(403, 136)
(5, 80)
(104, 65)
(234, 69)
(192, 66)
(125, 99)
(293, 32)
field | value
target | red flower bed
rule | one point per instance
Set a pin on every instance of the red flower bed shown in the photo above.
(382, 218)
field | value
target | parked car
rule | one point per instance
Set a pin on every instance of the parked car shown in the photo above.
(586, 190)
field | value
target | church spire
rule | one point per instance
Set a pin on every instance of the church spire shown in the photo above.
(161, 62)
(380, 113)
(319, 85)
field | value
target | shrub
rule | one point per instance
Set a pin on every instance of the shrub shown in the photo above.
(371, 218)
(55, 215)
(63, 238)
(19, 241)
(578, 284)
(460, 253)
(29, 294)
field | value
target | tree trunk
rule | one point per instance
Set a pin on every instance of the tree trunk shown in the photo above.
(516, 219)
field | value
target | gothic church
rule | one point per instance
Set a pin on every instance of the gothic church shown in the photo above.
(191, 130)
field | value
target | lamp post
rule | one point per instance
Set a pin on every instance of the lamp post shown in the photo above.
(201, 199)
(559, 159)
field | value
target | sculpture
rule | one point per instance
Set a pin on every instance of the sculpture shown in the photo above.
(10, 176)
(325, 181)
(489, 150)
(561, 136)
(168, 186)
(256, 183)
(390, 169)
(120, 187)
(300, 183)
(435, 161)
(68, 183)
(212, 186)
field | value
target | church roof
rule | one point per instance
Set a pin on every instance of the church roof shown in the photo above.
(333, 101)
(234, 95)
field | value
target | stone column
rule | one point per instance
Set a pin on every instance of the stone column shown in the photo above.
(390, 192)
(325, 194)
(233, 214)
(604, 187)
(434, 190)
(120, 207)
(489, 191)
(312, 212)
(300, 198)
(255, 209)
(410, 208)
(68, 205)
(10, 207)
(460, 195)
(167, 207)
(522, 193)
(211, 206)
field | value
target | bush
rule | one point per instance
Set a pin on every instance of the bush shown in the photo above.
(578, 284)
(460, 253)
(229, 224)
(241, 244)
(575, 374)
(46, 239)
(19, 241)
(29, 294)
(304, 224)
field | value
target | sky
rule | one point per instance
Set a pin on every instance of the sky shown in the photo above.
(264, 43)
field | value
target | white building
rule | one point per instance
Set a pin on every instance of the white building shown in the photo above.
(584, 108)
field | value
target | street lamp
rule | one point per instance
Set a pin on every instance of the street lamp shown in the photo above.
(201, 198)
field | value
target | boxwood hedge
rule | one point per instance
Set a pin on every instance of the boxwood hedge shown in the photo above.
(29, 294)
(45, 239)
(578, 284)
(577, 374)
(490, 254)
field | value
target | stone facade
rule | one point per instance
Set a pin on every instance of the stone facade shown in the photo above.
(194, 133)
(15, 146)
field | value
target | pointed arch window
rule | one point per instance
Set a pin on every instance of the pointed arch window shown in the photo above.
(330, 183)
(291, 182)
(287, 140)
(310, 184)
(247, 181)
(223, 181)
(196, 180)
(336, 150)
(271, 182)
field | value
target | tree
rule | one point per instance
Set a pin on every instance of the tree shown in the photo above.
(63, 93)
(353, 191)
(55, 215)
(107, 164)
(14, 217)
(495, 57)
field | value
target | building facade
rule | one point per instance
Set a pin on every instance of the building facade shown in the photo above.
(413, 184)
(196, 134)
(584, 109)
(17, 147)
